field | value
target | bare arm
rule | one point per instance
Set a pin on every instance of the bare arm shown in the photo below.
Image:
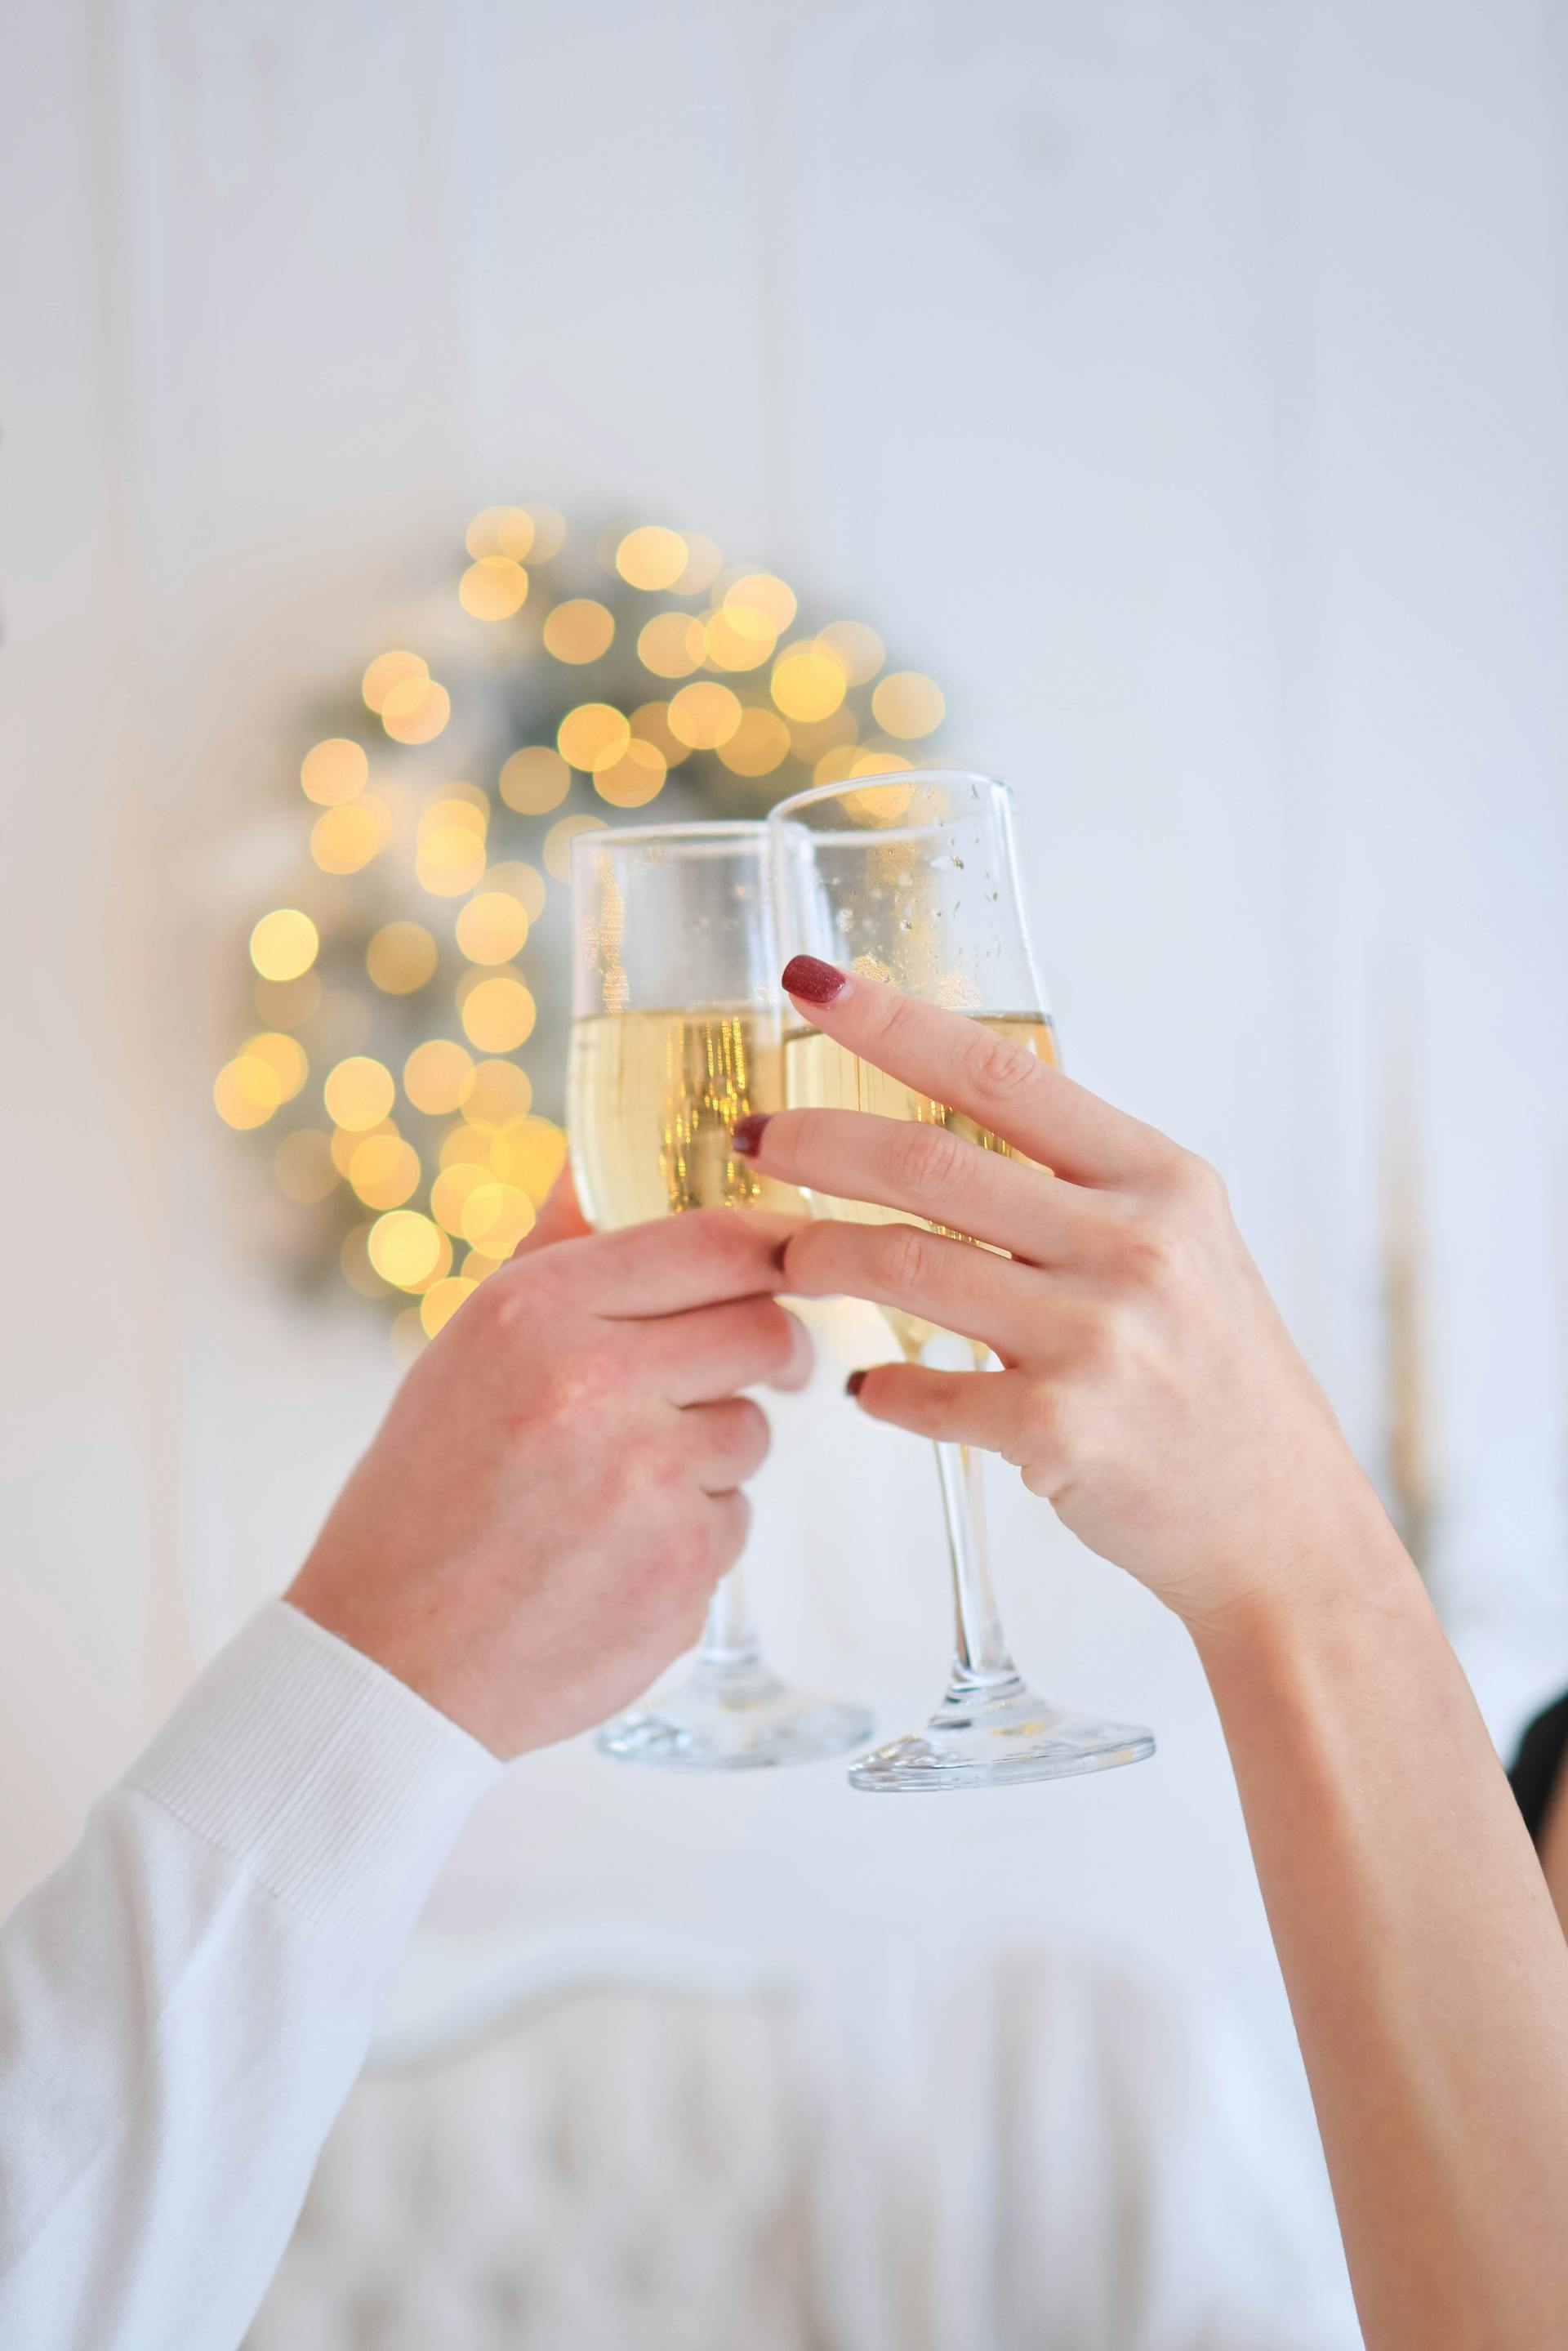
(1150, 1392)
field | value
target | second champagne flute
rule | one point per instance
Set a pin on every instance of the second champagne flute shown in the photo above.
(677, 1031)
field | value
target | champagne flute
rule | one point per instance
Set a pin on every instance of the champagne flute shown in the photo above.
(911, 877)
(677, 1031)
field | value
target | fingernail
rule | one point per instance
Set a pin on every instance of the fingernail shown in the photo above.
(746, 1135)
(813, 981)
(854, 1384)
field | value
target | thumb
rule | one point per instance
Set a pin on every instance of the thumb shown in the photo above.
(560, 1218)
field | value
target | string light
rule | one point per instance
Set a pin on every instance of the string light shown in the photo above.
(579, 631)
(651, 557)
(534, 780)
(334, 771)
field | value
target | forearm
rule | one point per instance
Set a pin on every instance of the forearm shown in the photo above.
(1427, 1971)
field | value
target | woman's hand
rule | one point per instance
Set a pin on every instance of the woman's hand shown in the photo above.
(1149, 1389)
(538, 1526)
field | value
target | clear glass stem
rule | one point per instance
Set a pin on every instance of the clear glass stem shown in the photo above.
(729, 1637)
(981, 1659)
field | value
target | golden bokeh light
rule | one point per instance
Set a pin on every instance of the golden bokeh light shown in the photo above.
(451, 859)
(288, 1003)
(633, 780)
(406, 1248)
(385, 1171)
(492, 589)
(495, 1218)
(303, 1166)
(455, 1185)
(810, 738)
(358, 1092)
(498, 1014)
(651, 557)
(501, 530)
(759, 743)
(400, 958)
(858, 648)
(416, 711)
(672, 644)
(764, 593)
(285, 1057)
(703, 565)
(593, 735)
(579, 631)
(704, 715)
(558, 843)
(908, 705)
(549, 531)
(477, 1267)
(356, 1269)
(345, 1143)
(442, 1301)
(284, 944)
(334, 771)
(529, 1152)
(438, 1076)
(520, 880)
(738, 637)
(343, 840)
(500, 1092)
(650, 724)
(406, 1341)
(387, 670)
(246, 1091)
(492, 928)
(808, 682)
(875, 761)
(536, 780)
(887, 804)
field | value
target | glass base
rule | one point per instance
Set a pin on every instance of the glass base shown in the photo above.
(996, 1736)
(734, 1715)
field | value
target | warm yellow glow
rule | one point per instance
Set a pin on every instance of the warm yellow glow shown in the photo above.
(443, 808)
(500, 1093)
(530, 1153)
(886, 804)
(288, 1003)
(810, 738)
(908, 705)
(835, 764)
(492, 928)
(549, 532)
(438, 1076)
(442, 1301)
(704, 715)
(501, 530)
(387, 670)
(345, 1143)
(385, 1171)
(808, 682)
(633, 780)
(871, 762)
(343, 840)
(759, 743)
(740, 637)
(284, 944)
(578, 630)
(358, 1092)
(357, 1271)
(860, 649)
(334, 771)
(520, 880)
(416, 711)
(593, 735)
(495, 1218)
(703, 565)
(762, 591)
(650, 724)
(493, 587)
(285, 1057)
(304, 1165)
(651, 557)
(672, 644)
(451, 860)
(477, 1267)
(498, 1014)
(406, 1248)
(246, 1091)
(455, 1185)
(536, 780)
(400, 958)
(558, 843)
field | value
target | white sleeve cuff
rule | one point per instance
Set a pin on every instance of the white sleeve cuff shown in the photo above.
(325, 1778)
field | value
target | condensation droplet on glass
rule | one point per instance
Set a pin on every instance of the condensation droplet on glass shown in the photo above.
(845, 919)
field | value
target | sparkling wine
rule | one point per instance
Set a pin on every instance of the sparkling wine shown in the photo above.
(652, 1098)
(822, 1075)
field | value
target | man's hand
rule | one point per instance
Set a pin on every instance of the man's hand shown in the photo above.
(536, 1531)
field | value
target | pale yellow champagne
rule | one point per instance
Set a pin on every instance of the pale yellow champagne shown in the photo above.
(822, 1075)
(652, 1102)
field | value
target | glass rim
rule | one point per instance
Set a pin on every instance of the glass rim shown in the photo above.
(782, 811)
(716, 828)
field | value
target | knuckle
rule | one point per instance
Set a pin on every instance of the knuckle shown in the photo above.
(924, 1160)
(998, 1070)
(903, 1256)
(1193, 1181)
(1147, 1254)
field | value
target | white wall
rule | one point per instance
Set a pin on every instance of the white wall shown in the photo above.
(1183, 383)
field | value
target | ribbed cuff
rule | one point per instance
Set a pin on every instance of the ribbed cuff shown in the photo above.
(324, 1776)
